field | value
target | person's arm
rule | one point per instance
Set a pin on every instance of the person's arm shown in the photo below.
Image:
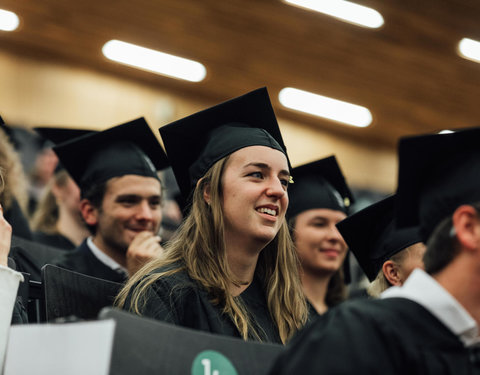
(9, 280)
(5, 239)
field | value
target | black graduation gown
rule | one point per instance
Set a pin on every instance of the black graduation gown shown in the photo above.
(55, 240)
(390, 336)
(82, 260)
(179, 300)
(15, 217)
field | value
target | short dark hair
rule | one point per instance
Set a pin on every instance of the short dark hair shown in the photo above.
(94, 194)
(442, 247)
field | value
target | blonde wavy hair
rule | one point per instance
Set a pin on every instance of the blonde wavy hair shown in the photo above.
(46, 214)
(15, 181)
(199, 249)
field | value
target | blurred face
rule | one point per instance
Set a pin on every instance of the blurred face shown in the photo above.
(45, 164)
(68, 195)
(132, 204)
(319, 244)
(255, 199)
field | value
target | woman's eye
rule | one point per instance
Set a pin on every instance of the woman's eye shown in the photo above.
(256, 174)
(284, 182)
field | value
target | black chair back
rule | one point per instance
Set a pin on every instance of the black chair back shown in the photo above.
(67, 293)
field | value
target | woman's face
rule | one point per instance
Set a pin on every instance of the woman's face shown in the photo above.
(319, 244)
(255, 197)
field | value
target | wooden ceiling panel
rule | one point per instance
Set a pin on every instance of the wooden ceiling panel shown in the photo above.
(407, 73)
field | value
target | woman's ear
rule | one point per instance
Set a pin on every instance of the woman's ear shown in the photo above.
(391, 272)
(206, 190)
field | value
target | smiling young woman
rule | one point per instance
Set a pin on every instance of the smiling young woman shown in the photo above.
(231, 268)
(319, 199)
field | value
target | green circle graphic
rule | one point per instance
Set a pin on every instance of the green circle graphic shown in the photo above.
(210, 362)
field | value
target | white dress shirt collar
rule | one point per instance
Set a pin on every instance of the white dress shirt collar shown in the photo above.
(427, 292)
(104, 258)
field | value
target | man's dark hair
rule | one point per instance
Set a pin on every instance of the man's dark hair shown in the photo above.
(442, 247)
(94, 194)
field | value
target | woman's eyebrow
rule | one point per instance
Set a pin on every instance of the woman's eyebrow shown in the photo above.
(283, 172)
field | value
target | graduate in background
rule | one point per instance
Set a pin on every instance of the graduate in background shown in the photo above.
(386, 254)
(231, 268)
(57, 220)
(319, 199)
(430, 325)
(121, 195)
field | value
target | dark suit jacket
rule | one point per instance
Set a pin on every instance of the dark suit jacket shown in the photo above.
(84, 261)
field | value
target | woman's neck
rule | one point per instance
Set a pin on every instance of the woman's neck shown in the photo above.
(315, 288)
(242, 263)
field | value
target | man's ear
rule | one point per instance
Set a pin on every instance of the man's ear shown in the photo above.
(467, 228)
(391, 272)
(89, 212)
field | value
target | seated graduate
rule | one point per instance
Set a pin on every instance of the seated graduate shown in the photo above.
(57, 220)
(319, 199)
(429, 325)
(386, 254)
(116, 170)
(14, 197)
(9, 281)
(231, 268)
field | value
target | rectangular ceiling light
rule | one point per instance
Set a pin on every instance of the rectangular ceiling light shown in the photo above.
(344, 10)
(154, 61)
(8, 20)
(469, 49)
(325, 107)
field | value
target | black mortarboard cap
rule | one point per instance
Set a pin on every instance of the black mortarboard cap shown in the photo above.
(196, 142)
(319, 184)
(437, 174)
(373, 238)
(129, 148)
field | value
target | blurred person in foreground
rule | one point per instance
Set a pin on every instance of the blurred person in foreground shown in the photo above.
(430, 324)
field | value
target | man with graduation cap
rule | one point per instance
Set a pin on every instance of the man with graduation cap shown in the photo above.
(319, 199)
(386, 254)
(116, 171)
(430, 324)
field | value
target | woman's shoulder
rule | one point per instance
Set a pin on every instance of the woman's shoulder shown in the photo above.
(172, 276)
